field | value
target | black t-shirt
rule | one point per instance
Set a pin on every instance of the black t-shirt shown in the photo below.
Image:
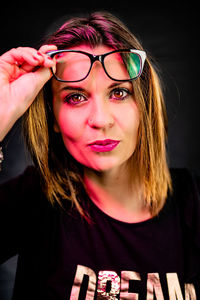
(62, 256)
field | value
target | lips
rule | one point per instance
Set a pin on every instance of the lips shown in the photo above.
(103, 145)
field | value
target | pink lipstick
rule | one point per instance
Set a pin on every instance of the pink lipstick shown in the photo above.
(104, 145)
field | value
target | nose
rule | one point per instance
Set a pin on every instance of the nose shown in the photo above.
(100, 114)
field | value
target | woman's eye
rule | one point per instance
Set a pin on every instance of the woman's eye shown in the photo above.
(119, 93)
(75, 98)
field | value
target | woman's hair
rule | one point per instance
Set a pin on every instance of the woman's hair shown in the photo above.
(62, 175)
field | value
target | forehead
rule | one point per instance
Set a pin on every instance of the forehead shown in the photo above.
(77, 67)
(95, 51)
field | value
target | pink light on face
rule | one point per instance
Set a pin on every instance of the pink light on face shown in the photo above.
(72, 66)
(96, 111)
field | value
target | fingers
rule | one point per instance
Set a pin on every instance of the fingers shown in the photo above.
(23, 72)
(20, 55)
(48, 62)
(25, 89)
(40, 75)
(28, 58)
(46, 48)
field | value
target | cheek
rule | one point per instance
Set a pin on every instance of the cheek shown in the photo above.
(69, 123)
(130, 120)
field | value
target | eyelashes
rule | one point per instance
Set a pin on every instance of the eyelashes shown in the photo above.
(120, 93)
(117, 94)
(75, 98)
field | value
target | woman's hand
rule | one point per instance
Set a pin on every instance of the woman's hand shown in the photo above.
(23, 72)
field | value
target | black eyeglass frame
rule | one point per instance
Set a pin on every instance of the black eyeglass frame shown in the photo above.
(141, 54)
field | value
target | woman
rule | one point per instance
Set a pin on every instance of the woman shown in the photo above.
(96, 216)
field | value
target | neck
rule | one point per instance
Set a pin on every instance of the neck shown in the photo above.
(118, 195)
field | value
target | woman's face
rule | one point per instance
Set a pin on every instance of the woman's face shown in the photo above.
(98, 118)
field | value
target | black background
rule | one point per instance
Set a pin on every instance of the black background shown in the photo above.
(168, 31)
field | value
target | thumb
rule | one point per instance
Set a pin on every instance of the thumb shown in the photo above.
(26, 88)
(41, 76)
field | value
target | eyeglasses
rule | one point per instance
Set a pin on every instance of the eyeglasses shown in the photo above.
(119, 65)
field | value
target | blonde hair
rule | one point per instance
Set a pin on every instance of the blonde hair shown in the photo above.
(62, 176)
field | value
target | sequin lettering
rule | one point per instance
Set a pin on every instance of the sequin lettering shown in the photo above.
(107, 284)
(105, 292)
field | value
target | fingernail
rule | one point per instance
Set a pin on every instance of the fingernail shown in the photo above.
(38, 53)
(52, 45)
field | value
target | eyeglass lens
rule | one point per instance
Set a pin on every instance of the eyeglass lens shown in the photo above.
(122, 65)
(74, 66)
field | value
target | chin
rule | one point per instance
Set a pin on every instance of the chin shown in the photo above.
(104, 166)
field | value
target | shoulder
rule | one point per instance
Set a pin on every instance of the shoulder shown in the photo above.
(27, 179)
(24, 190)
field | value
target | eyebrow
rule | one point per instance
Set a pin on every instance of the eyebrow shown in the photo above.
(118, 83)
(68, 87)
(80, 89)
